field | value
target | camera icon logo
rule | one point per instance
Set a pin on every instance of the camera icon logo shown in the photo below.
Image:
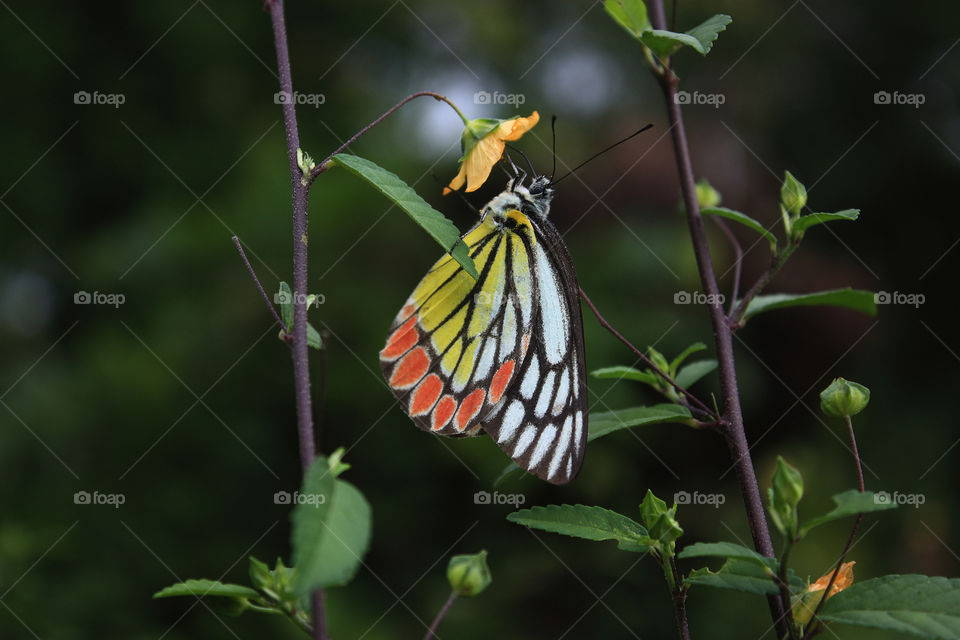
(282, 97)
(82, 297)
(682, 97)
(82, 97)
(881, 497)
(282, 297)
(881, 297)
(481, 497)
(682, 297)
(482, 97)
(682, 497)
(882, 97)
(282, 497)
(81, 497)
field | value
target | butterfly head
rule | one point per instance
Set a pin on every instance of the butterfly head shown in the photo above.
(532, 201)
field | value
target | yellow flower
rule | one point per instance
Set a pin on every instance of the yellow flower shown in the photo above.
(483, 142)
(808, 601)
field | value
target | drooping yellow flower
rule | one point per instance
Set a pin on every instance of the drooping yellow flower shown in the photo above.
(483, 142)
(809, 600)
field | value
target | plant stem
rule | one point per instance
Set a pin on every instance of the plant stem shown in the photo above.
(853, 530)
(606, 325)
(776, 262)
(323, 166)
(432, 631)
(679, 596)
(256, 281)
(301, 363)
(738, 262)
(783, 581)
(736, 437)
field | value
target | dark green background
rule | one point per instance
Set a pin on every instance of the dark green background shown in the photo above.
(143, 199)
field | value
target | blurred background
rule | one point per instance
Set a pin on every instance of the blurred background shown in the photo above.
(180, 399)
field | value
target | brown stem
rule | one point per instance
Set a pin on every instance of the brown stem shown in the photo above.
(736, 437)
(738, 262)
(256, 281)
(432, 631)
(777, 261)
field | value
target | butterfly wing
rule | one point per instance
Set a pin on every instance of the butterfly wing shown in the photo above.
(457, 344)
(542, 420)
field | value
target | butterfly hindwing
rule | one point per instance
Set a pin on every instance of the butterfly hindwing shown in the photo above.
(542, 421)
(458, 343)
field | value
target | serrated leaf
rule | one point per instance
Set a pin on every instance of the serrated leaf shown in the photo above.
(627, 373)
(581, 521)
(686, 353)
(330, 536)
(399, 192)
(923, 606)
(742, 575)
(743, 219)
(691, 373)
(629, 14)
(727, 550)
(850, 503)
(855, 299)
(205, 588)
(709, 30)
(803, 223)
(700, 38)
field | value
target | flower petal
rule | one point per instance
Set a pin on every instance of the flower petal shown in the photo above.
(512, 129)
(480, 162)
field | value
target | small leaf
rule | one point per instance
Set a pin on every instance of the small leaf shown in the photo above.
(313, 337)
(203, 588)
(803, 223)
(855, 299)
(742, 575)
(686, 353)
(330, 536)
(590, 523)
(850, 503)
(395, 189)
(629, 14)
(743, 219)
(924, 606)
(627, 373)
(285, 298)
(700, 38)
(691, 373)
(727, 550)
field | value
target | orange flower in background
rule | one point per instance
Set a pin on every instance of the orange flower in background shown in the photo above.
(844, 580)
(809, 600)
(483, 142)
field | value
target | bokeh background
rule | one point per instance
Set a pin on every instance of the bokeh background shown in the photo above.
(181, 399)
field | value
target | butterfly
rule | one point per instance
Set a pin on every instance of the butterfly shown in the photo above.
(502, 354)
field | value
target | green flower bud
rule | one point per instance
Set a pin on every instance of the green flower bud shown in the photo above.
(469, 574)
(787, 483)
(793, 195)
(657, 358)
(651, 509)
(707, 196)
(843, 398)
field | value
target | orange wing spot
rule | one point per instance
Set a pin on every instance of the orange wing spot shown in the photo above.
(406, 311)
(443, 412)
(401, 340)
(500, 379)
(469, 408)
(409, 370)
(426, 395)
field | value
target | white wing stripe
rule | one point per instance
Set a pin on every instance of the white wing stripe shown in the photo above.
(511, 420)
(543, 445)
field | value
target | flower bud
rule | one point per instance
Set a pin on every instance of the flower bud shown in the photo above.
(793, 195)
(707, 196)
(787, 483)
(469, 574)
(843, 398)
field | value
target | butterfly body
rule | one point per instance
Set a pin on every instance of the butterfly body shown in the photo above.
(504, 353)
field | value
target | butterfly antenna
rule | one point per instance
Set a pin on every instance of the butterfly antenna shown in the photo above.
(553, 133)
(524, 156)
(600, 153)
(518, 173)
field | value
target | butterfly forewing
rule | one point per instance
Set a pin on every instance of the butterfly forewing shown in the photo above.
(458, 343)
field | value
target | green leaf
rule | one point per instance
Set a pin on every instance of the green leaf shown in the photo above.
(741, 575)
(590, 523)
(850, 503)
(686, 353)
(700, 38)
(803, 223)
(330, 536)
(202, 588)
(727, 550)
(924, 606)
(693, 372)
(628, 373)
(395, 189)
(743, 219)
(855, 299)
(285, 298)
(313, 337)
(629, 14)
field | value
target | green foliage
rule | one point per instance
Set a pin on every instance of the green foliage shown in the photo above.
(743, 219)
(204, 588)
(850, 503)
(395, 189)
(469, 574)
(923, 606)
(629, 14)
(590, 523)
(707, 195)
(662, 524)
(672, 368)
(286, 314)
(726, 550)
(330, 534)
(784, 496)
(742, 575)
(632, 16)
(693, 372)
(855, 299)
(803, 223)
(626, 373)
